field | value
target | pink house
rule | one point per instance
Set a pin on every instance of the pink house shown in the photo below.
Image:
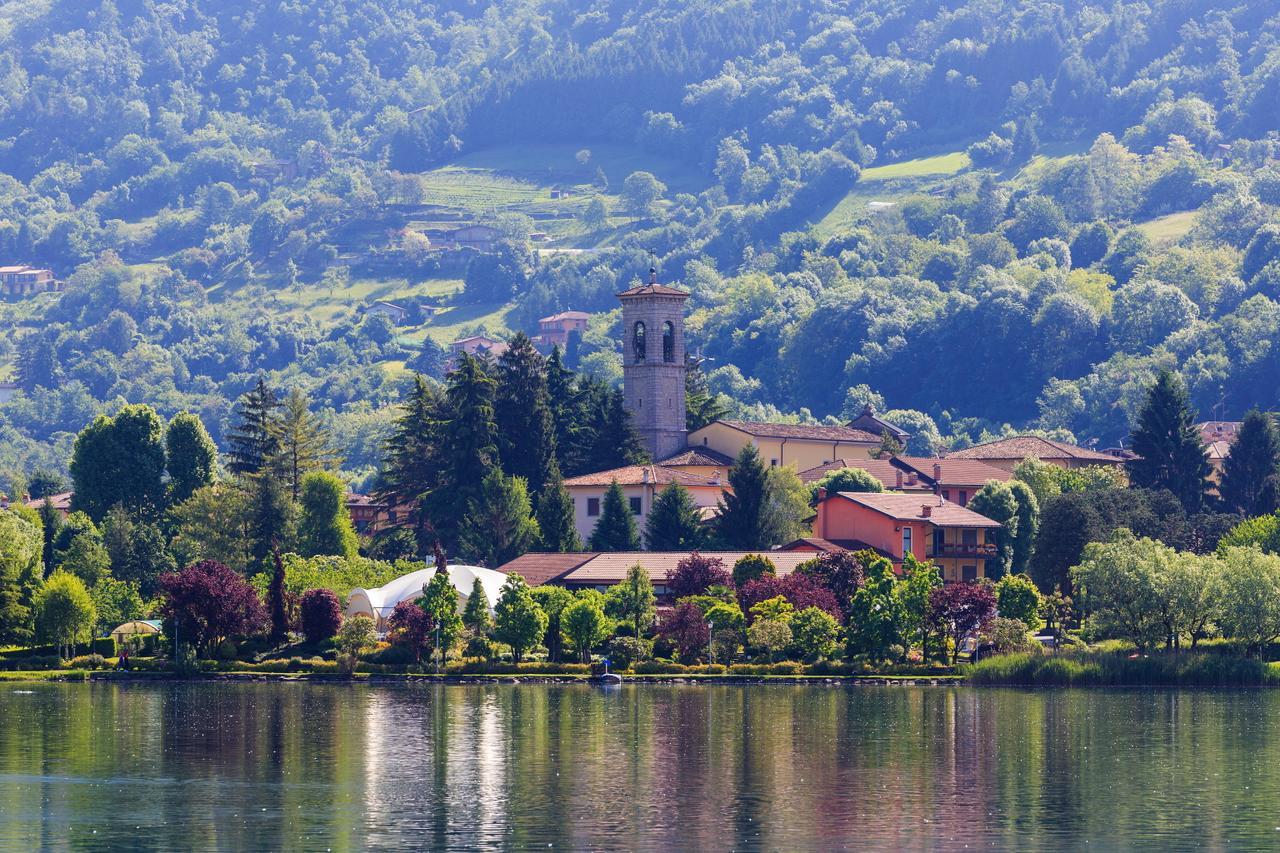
(554, 331)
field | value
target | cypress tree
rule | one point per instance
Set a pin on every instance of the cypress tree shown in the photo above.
(674, 522)
(411, 459)
(271, 519)
(1251, 471)
(1028, 525)
(615, 530)
(1170, 452)
(499, 524)
(51, 523)
(190, 456)
(276, 599)
(558, 533)
(740, 523)
(475, 616)
(250, 440)
(526, 431)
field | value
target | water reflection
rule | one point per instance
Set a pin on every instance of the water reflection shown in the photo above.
(296, 766)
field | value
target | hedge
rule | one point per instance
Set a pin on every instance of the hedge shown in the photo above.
(104, 646)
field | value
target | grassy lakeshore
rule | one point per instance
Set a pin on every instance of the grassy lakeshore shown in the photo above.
(1085, 669)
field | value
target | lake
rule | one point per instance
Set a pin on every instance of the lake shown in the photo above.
(316, 766)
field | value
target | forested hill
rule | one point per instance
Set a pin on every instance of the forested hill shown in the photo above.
(979, 215)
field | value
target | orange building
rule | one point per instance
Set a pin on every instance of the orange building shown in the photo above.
(958, 541)
(955, 479)
(554, 331)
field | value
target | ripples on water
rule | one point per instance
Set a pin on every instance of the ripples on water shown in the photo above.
(300, 766)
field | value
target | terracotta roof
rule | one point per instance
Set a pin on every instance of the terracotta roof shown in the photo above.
(803, 431)
(1218, 449)
(638, 475)
(354, 499)
(901, 507)
(471, 338)
(958, 472)
(612, 568)
(537, 569)
(60, 501)
(834, 546)
(1031, 446)
(652, 289)
(698, 456)
(566, 315)
(882, 469)
(869, 422)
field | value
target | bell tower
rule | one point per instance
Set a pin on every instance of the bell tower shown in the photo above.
(653, 359)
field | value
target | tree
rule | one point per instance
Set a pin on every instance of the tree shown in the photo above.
(1018, 598)
(324, 525)
(786, 507)
(1118, 585)
(1251, 473)
(875, 619)
(21, 569)
(640, 190)
(207, 602)
(615, 529)
(841, 572)
(277, 603)
(595, 215)
(996, 501)
(51, 525)
(119, 460)
(585, 625)
(522, 413)
(251, 440)
(440, 601)
(557, 530)
(190, 456)
(799, 589)
(320, 614)
(674, 522)
(1028, 524)
(847, 480)
(499, 525)
(357, 635)
(412, 461)
(272, 519)
(115, 602)
(1251, 597)
(300, 443)
(86, 558)
(518, 620)
(741, 511)
(1170, 453)
(410, 626)
(685, 628)
(959, 610)
(553, 600)
(609, 438)
(701, 406)
(632, 601)
(64, 611)
(137, 550)
(913, 593)
(475, 616)
(468, 445)
(750, 567)
(213, 524)
(695, 574)
(815, 632)
(771, 628)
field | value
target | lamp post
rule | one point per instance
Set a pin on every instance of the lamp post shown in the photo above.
(711, 638)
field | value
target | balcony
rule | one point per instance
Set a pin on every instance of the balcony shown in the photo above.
(959, 549)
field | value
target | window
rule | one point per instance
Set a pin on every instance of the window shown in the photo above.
(946, 494)
(593, 506)
(635, 505)
(638, 343)
(773, 463)
(969, 538)
(939, 540)
(964, 498)
(969, 573)
(668, 342)
(393, 516)
(906, 541)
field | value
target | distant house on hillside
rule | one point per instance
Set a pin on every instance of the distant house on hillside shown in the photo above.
(554, 331)
(482, 238)
(1218, 436)
(395, 313)
(476, 345)
(1006, 453)
(20, 281)
(269, 170)
(877, 426)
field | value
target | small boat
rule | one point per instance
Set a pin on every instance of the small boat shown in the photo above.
(600, 675)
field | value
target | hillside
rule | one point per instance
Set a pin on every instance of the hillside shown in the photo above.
(974, 214)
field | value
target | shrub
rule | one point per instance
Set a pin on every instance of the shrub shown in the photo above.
(659, 667)
(1009, 636)
(88, 662)
(626, 651)
(227, 650)
(750, 567)
(321, 614)
(1113, 670)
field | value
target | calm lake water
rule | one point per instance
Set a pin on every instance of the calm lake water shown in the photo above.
(300, 766)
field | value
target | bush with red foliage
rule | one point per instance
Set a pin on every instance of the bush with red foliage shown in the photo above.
(208, 602)
(321, 614)
(410, 626)
(686, 628)
(960, 609)
(842, 572)
(695, 574)
(801, 590)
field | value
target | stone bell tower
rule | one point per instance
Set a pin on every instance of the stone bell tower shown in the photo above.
(653, 359)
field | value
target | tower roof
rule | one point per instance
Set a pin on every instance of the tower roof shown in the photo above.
(652, 288)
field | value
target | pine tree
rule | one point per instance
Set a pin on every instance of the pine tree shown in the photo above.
(674, 522)
(526, 431)
(701, 406)
(1170, 452)
(271, 520)
(190, 456)
(250, 440)
(558, 532)
(1251, 472)
(302, 443)
(566, 400)
(52, 524)
(468, 447)
(740, 523)
(276, 599)
(611, 440)
(499, 524)
(615, 529)
(475, 616)
(411, 460)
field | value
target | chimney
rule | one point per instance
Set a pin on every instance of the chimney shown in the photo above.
(926, 511)
(644, 476)
(912, 479)
(822, 495)
(937, 471)
(898, 473)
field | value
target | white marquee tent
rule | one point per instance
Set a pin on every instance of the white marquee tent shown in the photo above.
(378, 603)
